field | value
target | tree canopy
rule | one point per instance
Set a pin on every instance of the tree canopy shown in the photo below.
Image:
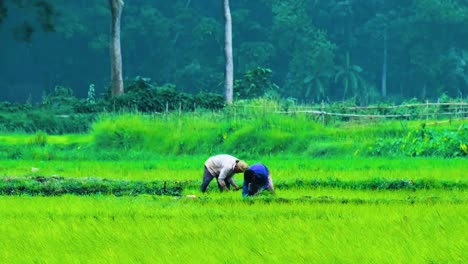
(307, 44)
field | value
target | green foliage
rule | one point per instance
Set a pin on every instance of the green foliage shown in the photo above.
(33, 120)
(349, 74)
(143, 96)
(255, 83)
(251, 140)
(39, 139)
(426, 142)
(12, 152)
(61, 100)
(312, 67)
(124, 132)
(207, 29)
(211, 101)
(442, 11)
(251, 127)
(255, 132)
(254, 53)
(44, 16)
(61, 112)
(431, 142)
(53, 186)
(372, 184)
(297, 40)
(169, 135)
(9, 107)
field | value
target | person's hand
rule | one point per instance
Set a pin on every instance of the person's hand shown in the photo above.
(236, 188)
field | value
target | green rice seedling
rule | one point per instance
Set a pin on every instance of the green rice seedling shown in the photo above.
(283, 168)
(168, 230)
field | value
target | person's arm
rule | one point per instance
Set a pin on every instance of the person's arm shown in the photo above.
(270, 184)
(245, 189)
(231, 181)
(254, 189)
(223, 175)
(222, 184)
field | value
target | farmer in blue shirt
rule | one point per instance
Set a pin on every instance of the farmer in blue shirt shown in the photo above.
(256, 179)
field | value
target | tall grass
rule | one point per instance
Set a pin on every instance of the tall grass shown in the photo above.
(244, 134)
(266, 134)
(249, 134)
(167, 135)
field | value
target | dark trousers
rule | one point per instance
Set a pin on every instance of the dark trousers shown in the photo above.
(207, 178)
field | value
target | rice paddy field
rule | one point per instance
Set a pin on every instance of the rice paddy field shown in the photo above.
(344, 208)
(299, 224)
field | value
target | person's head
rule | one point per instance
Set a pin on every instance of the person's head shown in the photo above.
(240, 166)
(249, 175)
(254, 183)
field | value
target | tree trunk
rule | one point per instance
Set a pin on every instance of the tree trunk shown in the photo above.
(384, 66)
(229, 74)
(424, 92)
(115, 52)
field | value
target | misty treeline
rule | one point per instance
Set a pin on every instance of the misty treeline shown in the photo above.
(311, 50)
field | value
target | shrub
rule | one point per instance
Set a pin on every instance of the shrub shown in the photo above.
(425, 142)
(431, 142)
(255, 83)
(142, 96)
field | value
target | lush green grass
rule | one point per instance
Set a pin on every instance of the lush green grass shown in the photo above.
(282, 168)
(136, 136)
(309, 220)
(72, 229)
(297, 225)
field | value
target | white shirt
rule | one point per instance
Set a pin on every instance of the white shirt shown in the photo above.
(221, 166)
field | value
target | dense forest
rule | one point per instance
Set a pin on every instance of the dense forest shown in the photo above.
(311, 50)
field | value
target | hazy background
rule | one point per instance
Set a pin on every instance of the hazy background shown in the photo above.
(304, 42)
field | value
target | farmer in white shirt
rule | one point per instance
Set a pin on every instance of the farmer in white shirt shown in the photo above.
(222, 167)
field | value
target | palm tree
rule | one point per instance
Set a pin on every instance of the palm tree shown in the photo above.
(314, 84)
(349, 75)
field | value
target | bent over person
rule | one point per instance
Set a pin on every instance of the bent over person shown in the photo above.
(222, 167)
(256, 179)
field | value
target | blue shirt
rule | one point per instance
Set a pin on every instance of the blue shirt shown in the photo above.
(261, 172)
